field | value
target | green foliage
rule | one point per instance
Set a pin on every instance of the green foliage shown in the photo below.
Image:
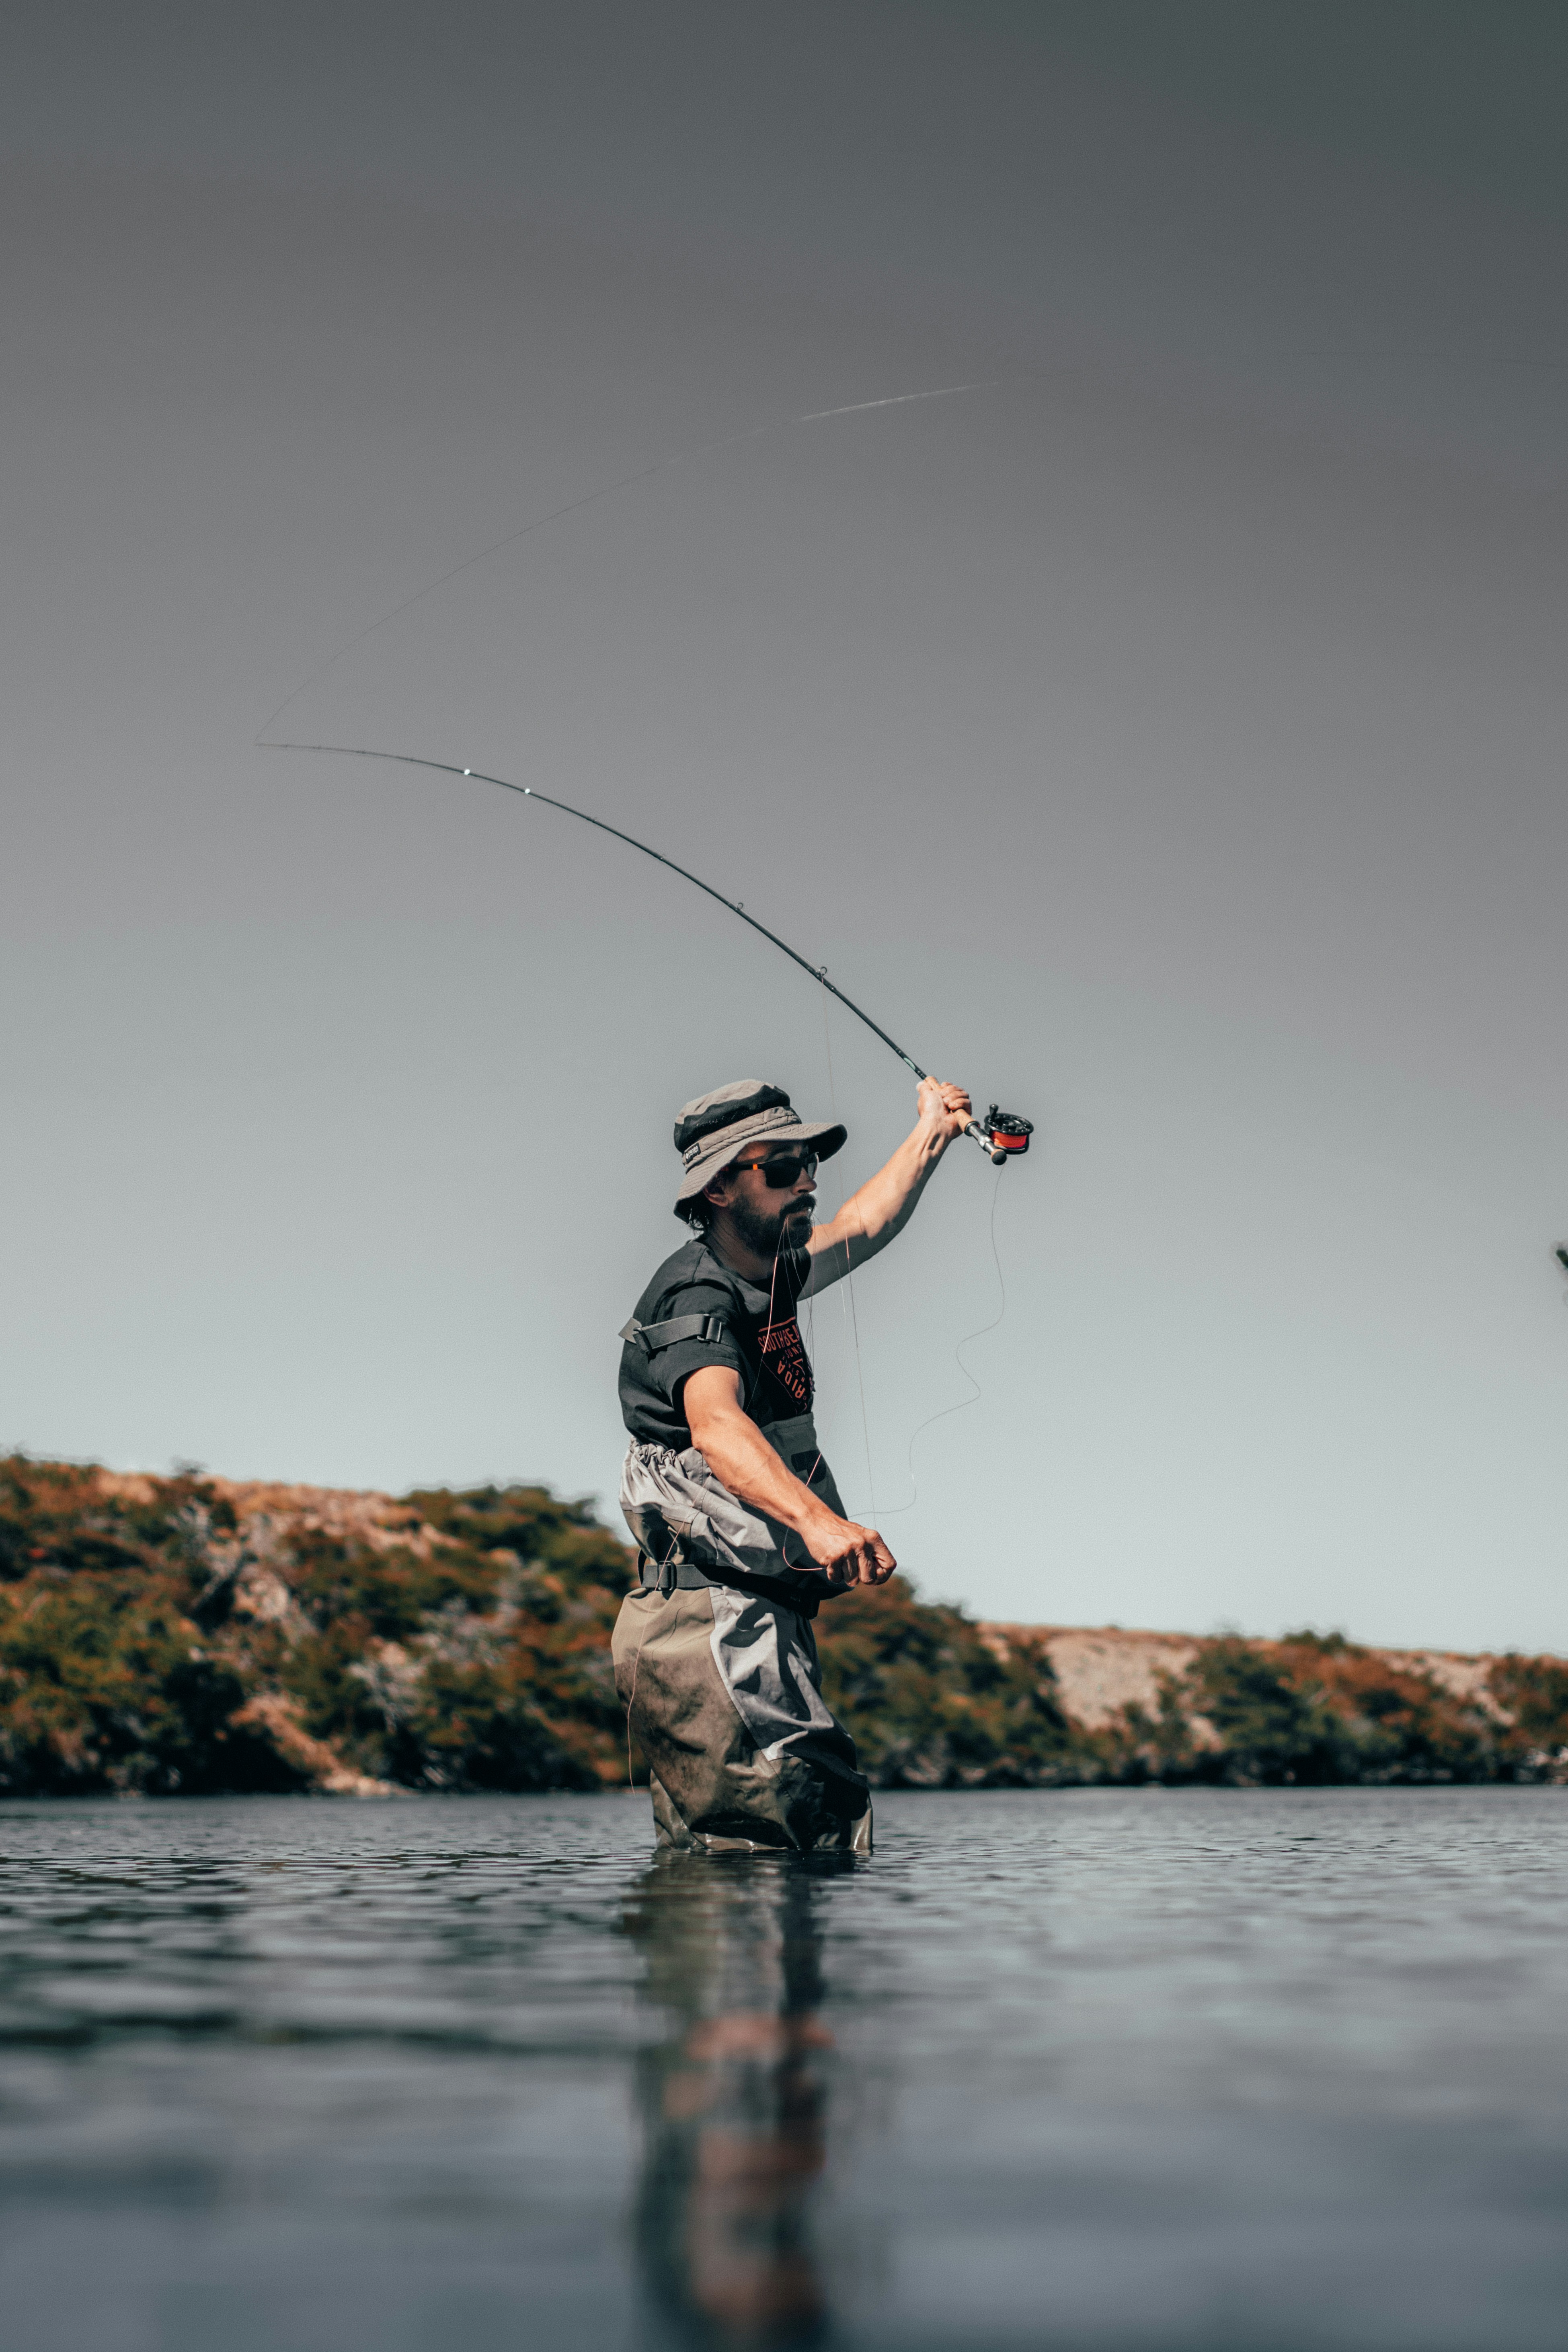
(454, 1641)
(478, 1725)
(102, 1687)
(1308, 1711)
(930, 1703)
(478, 1658)
(1139, 1747)
(58, 1515)
(530, 1521)
(163, 1634)
(105, 1682)
(1534, 1694)
(1273, 1729)
(1396, 1723)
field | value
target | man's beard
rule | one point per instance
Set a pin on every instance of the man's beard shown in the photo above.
(789, 1229)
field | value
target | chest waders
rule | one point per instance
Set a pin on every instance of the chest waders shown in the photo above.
(715, 1656)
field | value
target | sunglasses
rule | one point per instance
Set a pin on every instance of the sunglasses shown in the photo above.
(781, 1171)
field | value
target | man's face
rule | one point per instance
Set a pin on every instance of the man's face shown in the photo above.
(772, 1217)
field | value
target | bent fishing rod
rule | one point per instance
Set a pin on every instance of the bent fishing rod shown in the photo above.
(1001, 1134)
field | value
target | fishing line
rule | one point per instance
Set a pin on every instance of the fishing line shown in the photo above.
(591, 498)
(848, 1302)
(1004, 1133)
(1008, 1134)
(964, 1403)
(712, 448)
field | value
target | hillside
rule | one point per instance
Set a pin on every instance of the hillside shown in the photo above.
(193, 1634)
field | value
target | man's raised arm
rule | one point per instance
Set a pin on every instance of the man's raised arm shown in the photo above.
(885, 1202)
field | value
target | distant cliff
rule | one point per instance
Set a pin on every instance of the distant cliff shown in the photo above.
(192, 1634)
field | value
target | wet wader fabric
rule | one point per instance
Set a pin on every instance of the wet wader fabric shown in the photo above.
(714, 1654)
(722, 1691)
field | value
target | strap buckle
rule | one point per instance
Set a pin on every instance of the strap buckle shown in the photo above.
(665, 1578)
(651, 1337)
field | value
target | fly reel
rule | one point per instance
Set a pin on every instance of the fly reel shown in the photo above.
(1009, 1135)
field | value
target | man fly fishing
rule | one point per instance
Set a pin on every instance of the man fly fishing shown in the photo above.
(740, 1530)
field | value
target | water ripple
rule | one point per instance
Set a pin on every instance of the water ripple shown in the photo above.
(1145, 2071)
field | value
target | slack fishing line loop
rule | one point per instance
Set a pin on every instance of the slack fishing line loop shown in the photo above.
(847, 1295)
(963, 1404)
(1003, 1137)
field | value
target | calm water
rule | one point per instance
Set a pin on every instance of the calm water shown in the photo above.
(1073, 2069)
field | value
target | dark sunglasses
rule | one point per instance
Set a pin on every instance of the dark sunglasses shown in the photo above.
(783, 1169)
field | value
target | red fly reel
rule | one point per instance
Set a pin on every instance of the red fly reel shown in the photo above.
(1009, 1134)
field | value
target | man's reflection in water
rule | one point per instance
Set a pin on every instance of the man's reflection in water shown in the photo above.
(734, 2098)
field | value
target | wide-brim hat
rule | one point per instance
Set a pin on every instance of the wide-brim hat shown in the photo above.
(712, 1129)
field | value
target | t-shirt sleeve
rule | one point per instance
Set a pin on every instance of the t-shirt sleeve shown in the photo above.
(667, 1367)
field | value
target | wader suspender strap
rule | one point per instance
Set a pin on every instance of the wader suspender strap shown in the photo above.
(650, 1337)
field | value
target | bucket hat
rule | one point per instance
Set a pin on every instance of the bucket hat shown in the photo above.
(712, 1129)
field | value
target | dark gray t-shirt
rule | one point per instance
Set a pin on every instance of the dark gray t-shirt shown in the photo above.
(762, 1341)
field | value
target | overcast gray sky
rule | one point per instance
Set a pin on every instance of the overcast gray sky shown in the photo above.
(1167, 740)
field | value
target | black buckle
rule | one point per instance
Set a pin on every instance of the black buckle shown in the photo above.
(665, 1577)
(650, 1337)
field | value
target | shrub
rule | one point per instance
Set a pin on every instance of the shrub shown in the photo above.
(1534, 1692)
(459, 1639)
(102, 1687)
(930, 1703)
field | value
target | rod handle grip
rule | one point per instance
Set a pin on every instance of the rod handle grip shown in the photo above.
(976, 1130)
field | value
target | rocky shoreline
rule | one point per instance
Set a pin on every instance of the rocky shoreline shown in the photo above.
(1101, 1670)
(192, 1634)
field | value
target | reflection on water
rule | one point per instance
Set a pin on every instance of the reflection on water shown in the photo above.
(1080, 2072)
(734, 2098)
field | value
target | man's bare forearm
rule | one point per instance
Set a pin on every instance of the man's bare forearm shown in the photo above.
(741, 1457)
(885, 1202)
(879, 1211)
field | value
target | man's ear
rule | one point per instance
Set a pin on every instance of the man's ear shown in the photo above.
(716, 1191)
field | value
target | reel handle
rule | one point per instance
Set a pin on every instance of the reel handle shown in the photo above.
(1002, 1135)
(978, 1133)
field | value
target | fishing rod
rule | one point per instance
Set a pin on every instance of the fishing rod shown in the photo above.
(1001, 1134)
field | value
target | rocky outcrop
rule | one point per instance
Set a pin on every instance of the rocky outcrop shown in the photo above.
(1100, 1670)
(1306, 1707)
